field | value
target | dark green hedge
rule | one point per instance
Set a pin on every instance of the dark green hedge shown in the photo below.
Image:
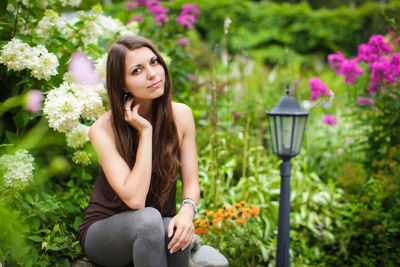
(262, 25)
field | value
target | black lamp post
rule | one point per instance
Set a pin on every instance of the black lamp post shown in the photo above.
(287, 122)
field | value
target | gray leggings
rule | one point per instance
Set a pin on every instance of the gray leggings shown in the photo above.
(139, 236)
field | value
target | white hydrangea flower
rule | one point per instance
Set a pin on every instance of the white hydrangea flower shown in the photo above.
(78, 136)
(17, 55)
(14, 54)
(130, 29)
(89, 100)
(101, 66)
(72, 3)
(110, 26)
(90, 32)
(50, 21)
(81, 157)
(62, 108)
(44, 64)
(17, 169)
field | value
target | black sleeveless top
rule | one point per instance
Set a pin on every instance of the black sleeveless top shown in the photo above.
(104, 203)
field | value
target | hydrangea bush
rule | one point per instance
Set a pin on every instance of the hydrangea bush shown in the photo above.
(52, 69)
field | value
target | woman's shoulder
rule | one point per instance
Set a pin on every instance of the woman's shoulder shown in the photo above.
(102, 126)
(181, 109)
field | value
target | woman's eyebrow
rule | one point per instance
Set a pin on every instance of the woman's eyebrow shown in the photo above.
(140, 65)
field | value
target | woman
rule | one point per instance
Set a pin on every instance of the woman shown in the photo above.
(142, 143)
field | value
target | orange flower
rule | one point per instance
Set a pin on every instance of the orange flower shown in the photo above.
(243, 203)
(216, 226)
(255, 210)
(228, 224)
(205, 232)
(240, 221)
(246, 214)
(199, 231)
(217, 220)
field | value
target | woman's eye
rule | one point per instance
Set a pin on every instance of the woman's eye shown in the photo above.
(135, 71)
(154, 61)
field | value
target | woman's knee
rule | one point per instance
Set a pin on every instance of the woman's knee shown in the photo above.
(149, 223)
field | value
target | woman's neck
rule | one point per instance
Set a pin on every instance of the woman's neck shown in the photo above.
(145, 109)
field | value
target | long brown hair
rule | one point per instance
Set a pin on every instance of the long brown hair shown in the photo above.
(165, 137)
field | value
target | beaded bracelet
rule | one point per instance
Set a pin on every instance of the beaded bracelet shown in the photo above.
(191, 203)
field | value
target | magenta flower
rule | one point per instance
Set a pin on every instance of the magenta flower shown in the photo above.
(183, 41)
(335, 60)
(130, 5)
(137, 18)
(34, 101)
(317, 89)
(330, 120)
(398, 40)
(318, 227)
(188, 15)
(395, 64)
(350, 70)
(372, 51)
(155, 7)
(364, 101)
(82, 70)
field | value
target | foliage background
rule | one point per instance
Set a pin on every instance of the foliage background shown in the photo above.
(345, 198)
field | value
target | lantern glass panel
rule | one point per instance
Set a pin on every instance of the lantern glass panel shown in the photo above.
(272, 127)
(301, 122)
(285, 130)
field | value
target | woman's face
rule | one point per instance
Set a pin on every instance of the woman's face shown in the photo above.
(144, 74)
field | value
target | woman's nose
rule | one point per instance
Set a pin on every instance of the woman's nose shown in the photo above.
(150, 73)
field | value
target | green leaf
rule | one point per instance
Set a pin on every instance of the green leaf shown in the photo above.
(12, 138)
(36, 238)
(21, 119)
(53, 247)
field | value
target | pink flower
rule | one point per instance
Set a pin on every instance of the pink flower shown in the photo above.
(364, 101)
(340, 150)
(183, 41)
(330, 120)
(137, 18)
(317, 89)
(130, 5)
(191, 77)
(398, 40)
(188, 15)
(335, 60)
(34, 101)
(372, 51)
(350, 70)
(82, 70)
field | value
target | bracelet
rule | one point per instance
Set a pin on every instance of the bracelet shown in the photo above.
(191, 203)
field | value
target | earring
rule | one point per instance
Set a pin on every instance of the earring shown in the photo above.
(124, 98)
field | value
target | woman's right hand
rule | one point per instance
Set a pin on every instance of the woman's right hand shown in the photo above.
(134, 119)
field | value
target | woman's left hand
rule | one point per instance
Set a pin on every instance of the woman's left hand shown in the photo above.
(184, 229)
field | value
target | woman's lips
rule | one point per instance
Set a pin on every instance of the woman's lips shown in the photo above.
(155, 84)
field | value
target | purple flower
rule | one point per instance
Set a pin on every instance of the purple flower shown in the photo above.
(364, 101)
(330, 120)
(82, 70)
(395, 64)
(317, 89)
(183, 41)
(137, 18)
(350, 70)
(334, 248)
(130, 5)
(335, 60)
(34, 101)
(318, 227)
